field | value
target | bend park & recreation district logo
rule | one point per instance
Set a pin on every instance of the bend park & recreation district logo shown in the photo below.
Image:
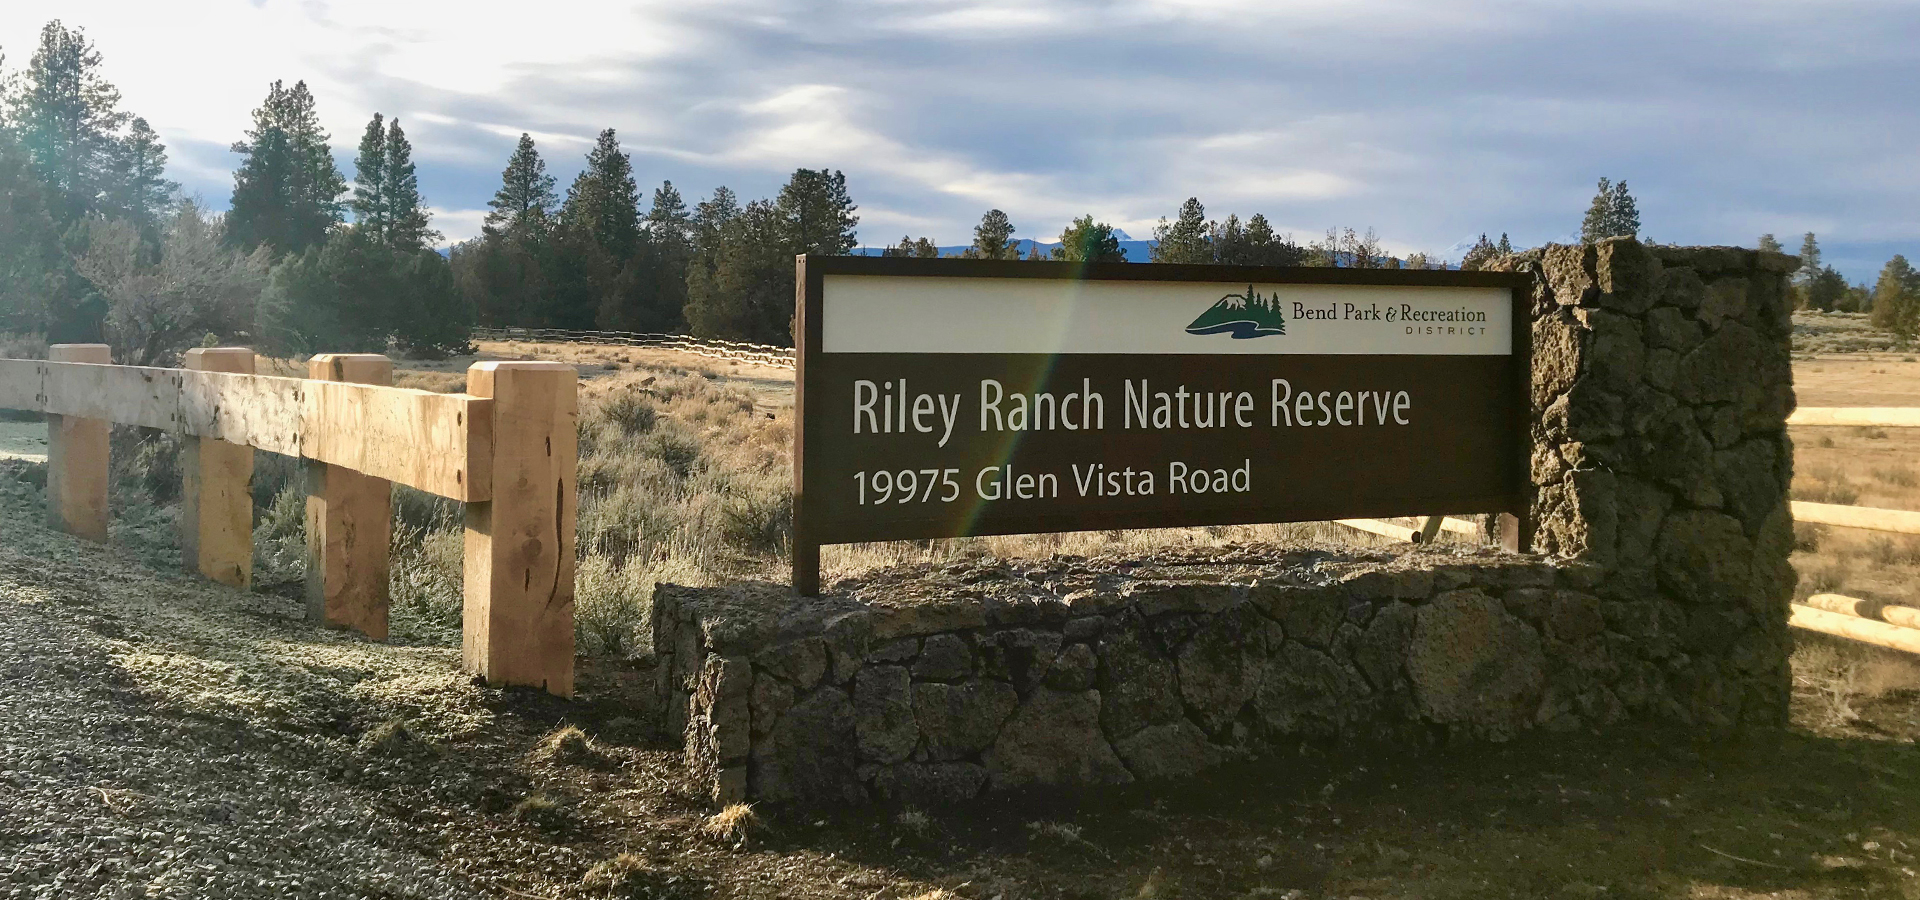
(1248, 315)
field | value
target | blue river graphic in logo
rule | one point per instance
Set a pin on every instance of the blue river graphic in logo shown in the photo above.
(1244, 316)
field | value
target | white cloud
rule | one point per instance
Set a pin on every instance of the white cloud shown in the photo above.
(1426, 120)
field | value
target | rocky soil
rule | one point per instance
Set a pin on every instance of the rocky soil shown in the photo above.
(161, 737)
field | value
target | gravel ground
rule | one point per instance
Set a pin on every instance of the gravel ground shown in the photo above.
(132, 725)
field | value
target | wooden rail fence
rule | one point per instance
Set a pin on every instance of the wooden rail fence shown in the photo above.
(733, 351)
(1884, 624)
(505, 448)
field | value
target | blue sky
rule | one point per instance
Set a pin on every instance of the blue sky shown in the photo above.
(1427, 121)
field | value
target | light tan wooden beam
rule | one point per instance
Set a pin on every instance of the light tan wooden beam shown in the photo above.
(1881, 416)
(1899, 521)
(1891, 613)
(437, 443)
(1855, 628)
(77, 459)
(1384, 529)
(517, 620)
(216, 506)
(349, 520)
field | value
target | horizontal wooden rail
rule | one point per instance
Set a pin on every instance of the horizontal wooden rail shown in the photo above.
(1404, 533)
(1898, 521)
(1890, 613)
(733, 351)
(1875, 416)
(514, 431)
(1855, 628)
(438, 443)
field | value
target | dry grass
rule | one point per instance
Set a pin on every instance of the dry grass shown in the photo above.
(732, 825)
(567, 745)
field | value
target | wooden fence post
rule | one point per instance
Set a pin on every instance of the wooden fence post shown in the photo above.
(349, 519)
(517, 621)
(77, 458)
(216, 505)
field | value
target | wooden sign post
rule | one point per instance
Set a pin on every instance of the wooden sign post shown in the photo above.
(942, 398)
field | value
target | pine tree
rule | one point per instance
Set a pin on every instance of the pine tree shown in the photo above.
(369, 203)
(525, 189)
(66, 116)
(1505, 247)
(286, 191)
(1809, 260)
(34, 268)
(1623, 215)
(817, 214)
(914, 248)
(1085, 240)
(1896, 298)
(1599, 217)
(407, 219)
(1770, 244)
(142, 194)
(993, 238)
(1479, 254)
(748, 293)
(1264, 248)
(1187, 239)
(604, 201)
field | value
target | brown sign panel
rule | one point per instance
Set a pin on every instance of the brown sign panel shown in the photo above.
(942, 398)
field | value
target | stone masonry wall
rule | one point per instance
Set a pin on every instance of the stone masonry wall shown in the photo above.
(1658, 593)
(1662, 383)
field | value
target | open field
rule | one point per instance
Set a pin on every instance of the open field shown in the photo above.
(161, 736)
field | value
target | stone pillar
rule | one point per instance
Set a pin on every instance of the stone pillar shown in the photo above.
(1662, 383)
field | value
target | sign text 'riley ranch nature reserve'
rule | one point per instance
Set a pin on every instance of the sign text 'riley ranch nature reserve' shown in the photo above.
(942, 398)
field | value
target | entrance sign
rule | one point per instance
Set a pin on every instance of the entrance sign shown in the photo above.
(943, 398)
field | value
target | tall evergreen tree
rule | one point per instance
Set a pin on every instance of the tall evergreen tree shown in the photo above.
(1085, 240)
(369, 203)
(1478, 255)
(34, 269)
(604, 201)
(407, 219)
(1623, 214)
(1599, 216)
(1809, 259)
(1255, 244)
(67, 117)
(142, 193)
(286, 191)
(993, 238)
(525, 188)
(1769, 243)
(1188, 239)
(817, 214)
(1505, 247)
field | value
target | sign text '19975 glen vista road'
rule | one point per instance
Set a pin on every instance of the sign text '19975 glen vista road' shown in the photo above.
(941, 398)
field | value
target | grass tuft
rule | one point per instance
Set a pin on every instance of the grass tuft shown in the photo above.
(731, 825)
(568, 745)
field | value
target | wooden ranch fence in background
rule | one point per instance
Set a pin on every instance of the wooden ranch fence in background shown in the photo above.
(732, 351)
(1885, 624)
(506, 449)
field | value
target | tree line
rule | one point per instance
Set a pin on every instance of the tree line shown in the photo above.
(1893, 300)
(97, 244)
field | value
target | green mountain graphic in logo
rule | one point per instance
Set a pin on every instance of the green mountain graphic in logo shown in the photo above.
(1244, 316)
